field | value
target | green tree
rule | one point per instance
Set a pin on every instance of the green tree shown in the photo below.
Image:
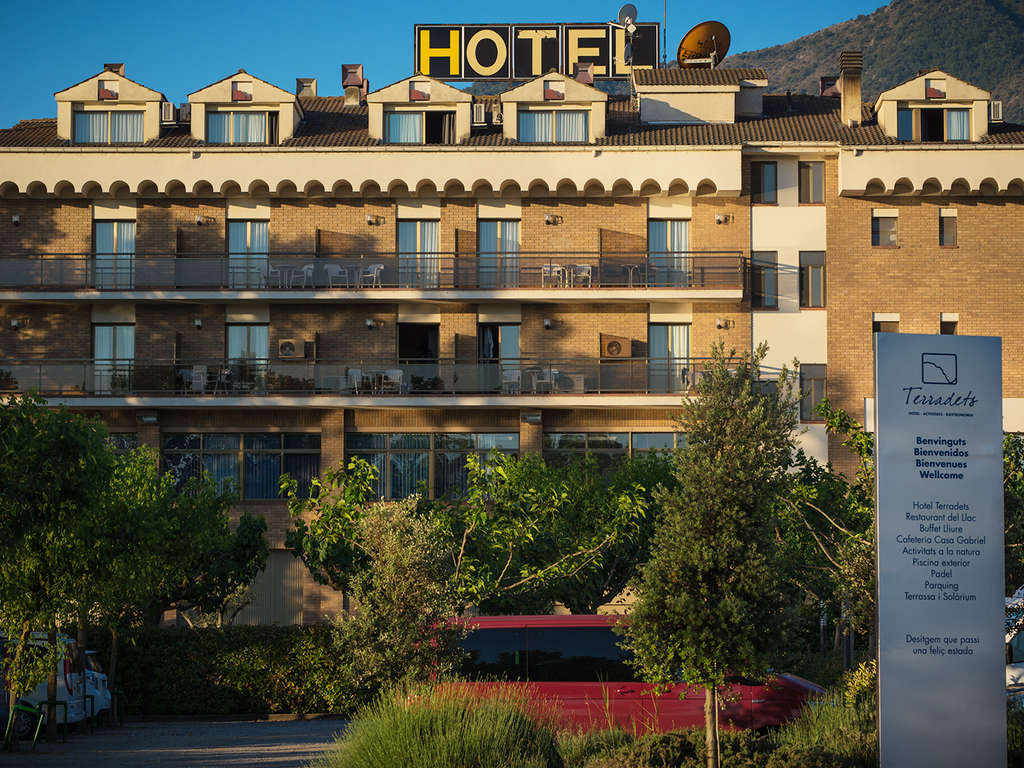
(54, 469)
(711, 601)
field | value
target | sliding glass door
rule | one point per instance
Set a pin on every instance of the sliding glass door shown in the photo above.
(668, 244)
(248, 254)
(114, 265)
(498, 254)
(668, 353)
(113, 354)
(419, 263)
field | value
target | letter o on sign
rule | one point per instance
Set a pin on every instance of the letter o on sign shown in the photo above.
(486, 70)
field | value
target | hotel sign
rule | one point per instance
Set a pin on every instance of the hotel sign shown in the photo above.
(525, 51)
(939, 475)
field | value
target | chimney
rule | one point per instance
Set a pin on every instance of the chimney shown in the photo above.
(117, 68)
(851, 64)
(353, 84)
(827, 86)
(305, 87)
(585, 73)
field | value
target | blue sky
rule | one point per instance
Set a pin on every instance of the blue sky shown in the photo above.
(179, 47)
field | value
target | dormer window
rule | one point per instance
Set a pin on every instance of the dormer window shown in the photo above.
(561, 126)
(241, 90)
(241, 127)
(107, 90)
(108, 127)
(419, 127)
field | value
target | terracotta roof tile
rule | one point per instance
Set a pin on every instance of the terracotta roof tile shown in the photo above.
(697, 76)
(32, 133)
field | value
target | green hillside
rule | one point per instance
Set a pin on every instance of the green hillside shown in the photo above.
(981, 41)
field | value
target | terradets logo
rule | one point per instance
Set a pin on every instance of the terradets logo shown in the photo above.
(939, 369)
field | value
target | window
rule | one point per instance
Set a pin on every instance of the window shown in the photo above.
(947, 327)
(248, 341)
(812, 391)
(947, 227)
(648, 442)
(113, 355)
(402, 461)
(763, 183)
(668, 351)
(885, 326)
(251, 463)
(958, 125)
(884, 227)
(495, 654)
(904, 124)
(764, 271)
(241, 127)
(606, 447)
(419, 263)
(434, 127)
(562, 126)
(108, 127)
(248, 252)
(812, 182)
(498, 341)
(931, 125)
(579, 654)
(123, 442)
(451, 451)
(812, 279)
(498, 253)
(114, 246)
(668, 247)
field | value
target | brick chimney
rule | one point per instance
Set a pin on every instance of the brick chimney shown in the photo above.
(585, 73)
(354, 85)
(851, 64)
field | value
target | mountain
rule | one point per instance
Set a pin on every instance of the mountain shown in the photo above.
(980, 41)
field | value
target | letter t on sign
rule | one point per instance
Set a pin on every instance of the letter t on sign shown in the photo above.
(453, 53)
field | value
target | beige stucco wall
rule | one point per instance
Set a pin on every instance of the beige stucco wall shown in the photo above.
(918, 163)
(689, 106)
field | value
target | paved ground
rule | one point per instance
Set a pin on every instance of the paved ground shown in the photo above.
(278, 744)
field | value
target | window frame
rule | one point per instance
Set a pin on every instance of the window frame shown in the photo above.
(109, 141)
(555, 139)
(807, 271)
(760, 298)
(759, 194)
(801, 189)
(944, 219)
(816, 372)
(248, 342)
(876, 231)
(271, 127)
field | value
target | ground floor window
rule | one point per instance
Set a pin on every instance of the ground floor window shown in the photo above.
(607, 447)
(251, 462)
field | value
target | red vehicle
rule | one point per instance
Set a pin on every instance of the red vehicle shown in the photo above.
(576, 664)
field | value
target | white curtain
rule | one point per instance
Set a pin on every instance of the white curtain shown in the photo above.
(509, 247)
(126, 127)
(535, 127)
(113, 353)
(430, 260)
(248, 342)
(418, 258)
(91, 127)
(668, 352)
(571, 126)
(217, 127)
(249, 128)
(104, 237)
(958, 125)
(405, 128)
(498, 254)
(259, 237)
(668, 243)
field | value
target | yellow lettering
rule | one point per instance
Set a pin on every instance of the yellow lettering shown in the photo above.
(576, 51)
(535, 36)
(451, 53)
(499, 59)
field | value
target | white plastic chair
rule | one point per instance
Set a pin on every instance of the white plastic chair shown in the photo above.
(336, 272)
(583, 273)
(542, 378)
(372, 272)
(511, 381)
(552, 272)
(305, 273)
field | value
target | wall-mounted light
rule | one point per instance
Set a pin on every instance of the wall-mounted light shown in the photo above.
(724, 324)
(548, 323)
(723, 218)
(147, 417)
(552, 218)
(16, 220)
(198, 323)
(372, 323)
(19, 323)
(200, 220)
(374, 219)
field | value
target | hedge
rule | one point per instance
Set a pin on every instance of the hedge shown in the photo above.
(232, 671)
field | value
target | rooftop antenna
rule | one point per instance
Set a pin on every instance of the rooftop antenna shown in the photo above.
(627, 19)
(704, 45)
(664, 33)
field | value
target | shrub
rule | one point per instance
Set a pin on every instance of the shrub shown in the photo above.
(578, 748)
(860, 684)
(234, 670)
(449, 727)
(835, 729)
(789, 756)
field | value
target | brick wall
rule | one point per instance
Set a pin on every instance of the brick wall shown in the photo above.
(46, 226)
(54, 331)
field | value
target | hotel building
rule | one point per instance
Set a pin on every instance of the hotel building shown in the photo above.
(264, 280)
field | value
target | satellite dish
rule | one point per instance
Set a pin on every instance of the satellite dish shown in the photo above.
(706, 43)
(627, 14)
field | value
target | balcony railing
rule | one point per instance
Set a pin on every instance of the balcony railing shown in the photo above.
(374, 271)
(524, 376)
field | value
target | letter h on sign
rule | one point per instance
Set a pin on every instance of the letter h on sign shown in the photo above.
(429, 53)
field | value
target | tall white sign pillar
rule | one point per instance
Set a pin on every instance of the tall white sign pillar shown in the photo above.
(938, 450)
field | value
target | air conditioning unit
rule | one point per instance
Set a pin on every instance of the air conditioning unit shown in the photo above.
(995, 111)
(291, 348)
(615, 346)
(185, 113)
(166, 112)
(479, 114)
(496, 114)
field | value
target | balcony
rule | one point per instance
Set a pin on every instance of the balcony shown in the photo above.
(714, 275)
(367, 381)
